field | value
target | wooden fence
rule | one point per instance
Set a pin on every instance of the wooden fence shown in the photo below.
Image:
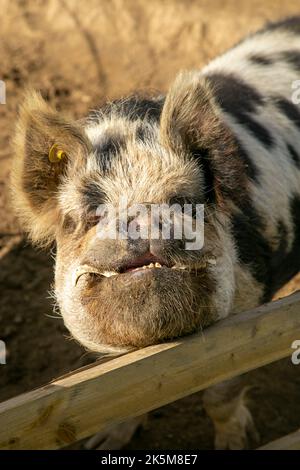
(85, 401)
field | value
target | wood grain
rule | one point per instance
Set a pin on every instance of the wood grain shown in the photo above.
(84, 402)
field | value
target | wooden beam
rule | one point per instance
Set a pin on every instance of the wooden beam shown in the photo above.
(288, 442)
(84, 402)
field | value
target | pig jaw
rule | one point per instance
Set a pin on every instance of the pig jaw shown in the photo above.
(147, 306)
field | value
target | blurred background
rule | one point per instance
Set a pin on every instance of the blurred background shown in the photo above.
(79, 54)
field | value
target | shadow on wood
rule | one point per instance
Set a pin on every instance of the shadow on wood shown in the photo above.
(82, 403)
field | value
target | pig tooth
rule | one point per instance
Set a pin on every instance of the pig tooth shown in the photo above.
(108, 273)
(157, 265)
(151, 265)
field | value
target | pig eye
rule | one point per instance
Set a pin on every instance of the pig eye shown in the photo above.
(177, 200)
(69, 224)
(92, 220)
(182, 200)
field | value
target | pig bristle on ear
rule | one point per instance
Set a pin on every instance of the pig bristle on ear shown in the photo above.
(192, 122)
(34, 180)
(190, 116)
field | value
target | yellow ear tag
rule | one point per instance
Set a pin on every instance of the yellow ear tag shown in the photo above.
(56, 154)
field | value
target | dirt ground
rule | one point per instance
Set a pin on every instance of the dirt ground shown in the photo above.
(78, 54)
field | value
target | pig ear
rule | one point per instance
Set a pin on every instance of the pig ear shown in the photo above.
(46, 147)
(191, 122)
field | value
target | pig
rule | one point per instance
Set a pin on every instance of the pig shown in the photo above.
(225, 138)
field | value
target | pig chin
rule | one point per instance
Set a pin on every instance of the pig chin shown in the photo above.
(137, 309)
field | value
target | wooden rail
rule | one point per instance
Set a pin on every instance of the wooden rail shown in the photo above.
(288, 442)
(84, 402)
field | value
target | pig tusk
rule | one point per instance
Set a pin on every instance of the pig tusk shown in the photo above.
(86, 269)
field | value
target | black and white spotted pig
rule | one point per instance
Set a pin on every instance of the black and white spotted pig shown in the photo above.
(226, 136)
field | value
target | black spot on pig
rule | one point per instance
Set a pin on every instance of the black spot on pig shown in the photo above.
(240, 100)
(289, 110)
(294, 155)
(259, 59)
